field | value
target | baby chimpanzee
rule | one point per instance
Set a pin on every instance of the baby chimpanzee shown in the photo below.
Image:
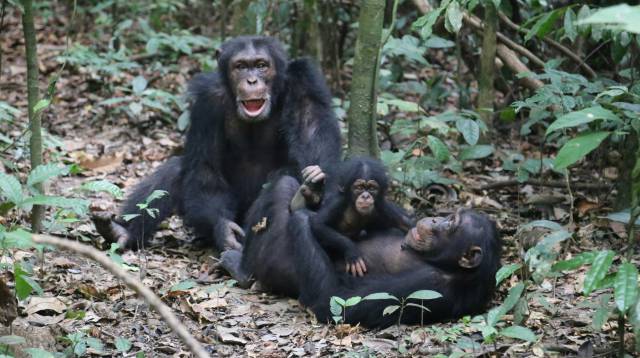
(355, 202)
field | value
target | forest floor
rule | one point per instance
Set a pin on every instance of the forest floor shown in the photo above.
(231, 321)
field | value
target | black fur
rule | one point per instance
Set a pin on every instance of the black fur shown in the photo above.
(287, 259)
(386, 215)
(227, 161)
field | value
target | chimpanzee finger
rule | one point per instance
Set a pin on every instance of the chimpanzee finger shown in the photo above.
(358, 269)
(307, 171)
(363, 266)
(317, 177)
(235, 228)
(230, 243)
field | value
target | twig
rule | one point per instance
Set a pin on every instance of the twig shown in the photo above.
(154, 301)
(571, 199)
(551, 184)
(558, 46)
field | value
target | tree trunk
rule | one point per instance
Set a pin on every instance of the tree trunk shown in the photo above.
(35, 142)
(487, 64)
(363, 138)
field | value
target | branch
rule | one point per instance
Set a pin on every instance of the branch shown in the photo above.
(154, 301)
(477, 25)
(551, 184)
(558, 46)
(512, 61)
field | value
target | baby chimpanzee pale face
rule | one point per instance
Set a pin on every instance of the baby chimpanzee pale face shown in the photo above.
(365, 192)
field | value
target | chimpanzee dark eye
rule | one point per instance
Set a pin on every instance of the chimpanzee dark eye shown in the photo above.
(262, 66)
(240, 66)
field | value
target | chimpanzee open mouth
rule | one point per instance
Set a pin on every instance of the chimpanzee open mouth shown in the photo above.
(253, 107)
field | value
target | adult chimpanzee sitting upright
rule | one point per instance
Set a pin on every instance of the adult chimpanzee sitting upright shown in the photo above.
(457, 256)
(258, 116)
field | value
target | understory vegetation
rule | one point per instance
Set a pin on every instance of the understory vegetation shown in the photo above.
(527, 110)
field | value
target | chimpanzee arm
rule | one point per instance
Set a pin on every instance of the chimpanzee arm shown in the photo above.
(392, 216)
(328, 237)
(309, 122)
(208, 205)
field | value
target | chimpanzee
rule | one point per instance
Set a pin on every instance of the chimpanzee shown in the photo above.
(355, 202)
(460, 257)
(457, 256)
(258, 117)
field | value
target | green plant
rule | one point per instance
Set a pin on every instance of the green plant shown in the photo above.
(79, 342)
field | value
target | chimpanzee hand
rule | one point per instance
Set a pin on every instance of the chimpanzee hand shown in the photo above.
(313, 174)
(231, 232)
(355, 263)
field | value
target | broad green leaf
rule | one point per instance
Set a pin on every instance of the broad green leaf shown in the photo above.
(45, 172)
(584, 116)
(352, 301)
(103, 186)
(156, 194)
(402, 105)
(184, 120)
(512, 298)
(139, 84)
(438, 148)
(519, 332)
(152, 46)
(570, 30)
(626, 286)
(578, 148)
(476, 152)
(335, 307)
(618, 17)
(599, 269)
(622, 216)
(183, 286)
(454, 15)
(418, 306)
(129, 217)
(424, 295)
(41, 105)
(390, 309)
(17, 239)
(12, 340)
(575, 262)
(123, 345)
(469, 129)
(380, 296)
(24, 283)
(506, 271)
(543, 25)
(38, 353)
(10, 188)
(79, 206)
(634, 320)
(600, 316)
(338, 300)
(95, 343)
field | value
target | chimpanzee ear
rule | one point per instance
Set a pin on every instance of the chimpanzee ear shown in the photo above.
(472, 258)
(218, 52)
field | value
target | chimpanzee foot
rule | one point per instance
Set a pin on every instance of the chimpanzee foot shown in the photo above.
(231, 261)
(110, 230)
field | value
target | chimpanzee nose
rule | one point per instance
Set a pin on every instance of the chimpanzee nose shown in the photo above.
(366, 195)
(252, 80)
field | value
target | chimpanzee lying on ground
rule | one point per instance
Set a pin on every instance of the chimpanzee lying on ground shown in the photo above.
(355, 202)
(457, 256)
(259, 116)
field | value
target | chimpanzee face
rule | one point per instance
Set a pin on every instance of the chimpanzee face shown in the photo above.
(251, 74)
(364, 193)
(453, 240)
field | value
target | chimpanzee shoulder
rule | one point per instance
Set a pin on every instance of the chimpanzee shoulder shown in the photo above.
(304, 79)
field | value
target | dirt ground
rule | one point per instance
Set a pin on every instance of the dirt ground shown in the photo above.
(233, 321)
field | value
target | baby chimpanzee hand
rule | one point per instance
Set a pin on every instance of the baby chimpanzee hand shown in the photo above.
(355, 264)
